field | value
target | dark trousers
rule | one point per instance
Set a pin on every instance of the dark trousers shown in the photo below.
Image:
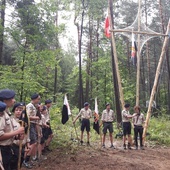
(15, 157)
(138, 130)
(6, 152)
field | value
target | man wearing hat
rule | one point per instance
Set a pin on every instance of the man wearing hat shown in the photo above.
(85, 114)
(126, 116)
(9, 129)
(48, 104)
(31, 112)
(107, 121)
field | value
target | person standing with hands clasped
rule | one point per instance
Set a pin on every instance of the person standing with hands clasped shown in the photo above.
(85, 114)
(107, 121)
(138, 121)
(126, 116)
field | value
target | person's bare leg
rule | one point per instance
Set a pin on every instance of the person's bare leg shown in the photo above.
(104, 138)
(111, 138)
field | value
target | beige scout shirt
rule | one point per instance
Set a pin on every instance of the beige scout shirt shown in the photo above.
(138, 120)
(85, 114)
(107, 116)
(7, 125)
(124, 114)
(26, 137)
(47, 115)
(31, 111)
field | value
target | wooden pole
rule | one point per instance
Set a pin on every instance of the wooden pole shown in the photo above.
(75, 128)
(20, 142)
(158, 70)
(138, 56)
(138, 32)
(121, 97)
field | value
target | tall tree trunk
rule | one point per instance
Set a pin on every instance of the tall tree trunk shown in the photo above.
(89, 61)
(115, 81)
(57, 46)
(97, 52)
(80, 33)
(162, 18)
(2, 13)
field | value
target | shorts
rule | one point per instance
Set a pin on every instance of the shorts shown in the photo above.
(126, 128)
(33, 134)
(85, 123)
(46, 132)
(109, 126)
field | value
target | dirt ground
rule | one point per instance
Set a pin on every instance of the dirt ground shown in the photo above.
(94, 158)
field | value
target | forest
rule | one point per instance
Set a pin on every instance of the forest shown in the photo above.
(37, 55)
(54, 47)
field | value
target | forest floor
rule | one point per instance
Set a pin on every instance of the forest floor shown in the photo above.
(76, 157)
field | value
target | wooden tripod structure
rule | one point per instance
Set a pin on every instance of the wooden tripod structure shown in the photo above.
(139, 32)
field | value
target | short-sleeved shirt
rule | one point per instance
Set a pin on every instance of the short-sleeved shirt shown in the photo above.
(31, 111)
(47, 115)
(107, 115)
(125, 113)
(7, 125)
(43, 120)
(26, 138)
(138, 120)
(85, 114)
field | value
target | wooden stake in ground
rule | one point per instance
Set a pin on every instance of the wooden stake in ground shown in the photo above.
(75, 128)
(158, 70)
(116, 58)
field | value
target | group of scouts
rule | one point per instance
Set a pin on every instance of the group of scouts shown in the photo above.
(25, 134)
(107, 119)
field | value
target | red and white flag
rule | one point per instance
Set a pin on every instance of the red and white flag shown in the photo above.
(107, 27)
(133, 50)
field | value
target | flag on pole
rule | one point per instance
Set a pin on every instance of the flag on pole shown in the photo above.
(96, 117)
(65, 111)
(107, 27)
(133, 50)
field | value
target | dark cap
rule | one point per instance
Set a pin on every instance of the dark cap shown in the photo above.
(6, 94)
(107, 104)
(44, 108)
(34, 96)
(2, 106)
(17, 105)
(48, 101)
(86, 104)
(127, 105)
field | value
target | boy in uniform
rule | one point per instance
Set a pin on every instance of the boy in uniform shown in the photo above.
(107, 121)
(126, 116)
(9, 129)
(85, 114)
(138, 121)
(32, 111)
(49, 132)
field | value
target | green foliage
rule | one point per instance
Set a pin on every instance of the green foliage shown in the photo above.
(159, 130)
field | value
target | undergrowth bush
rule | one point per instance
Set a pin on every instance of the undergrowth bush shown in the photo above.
(159, 129)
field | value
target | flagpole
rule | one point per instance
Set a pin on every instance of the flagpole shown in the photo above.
(138, 56)
(121, 97)
(158, 70)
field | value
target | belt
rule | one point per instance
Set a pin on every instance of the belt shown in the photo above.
(138, 125)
